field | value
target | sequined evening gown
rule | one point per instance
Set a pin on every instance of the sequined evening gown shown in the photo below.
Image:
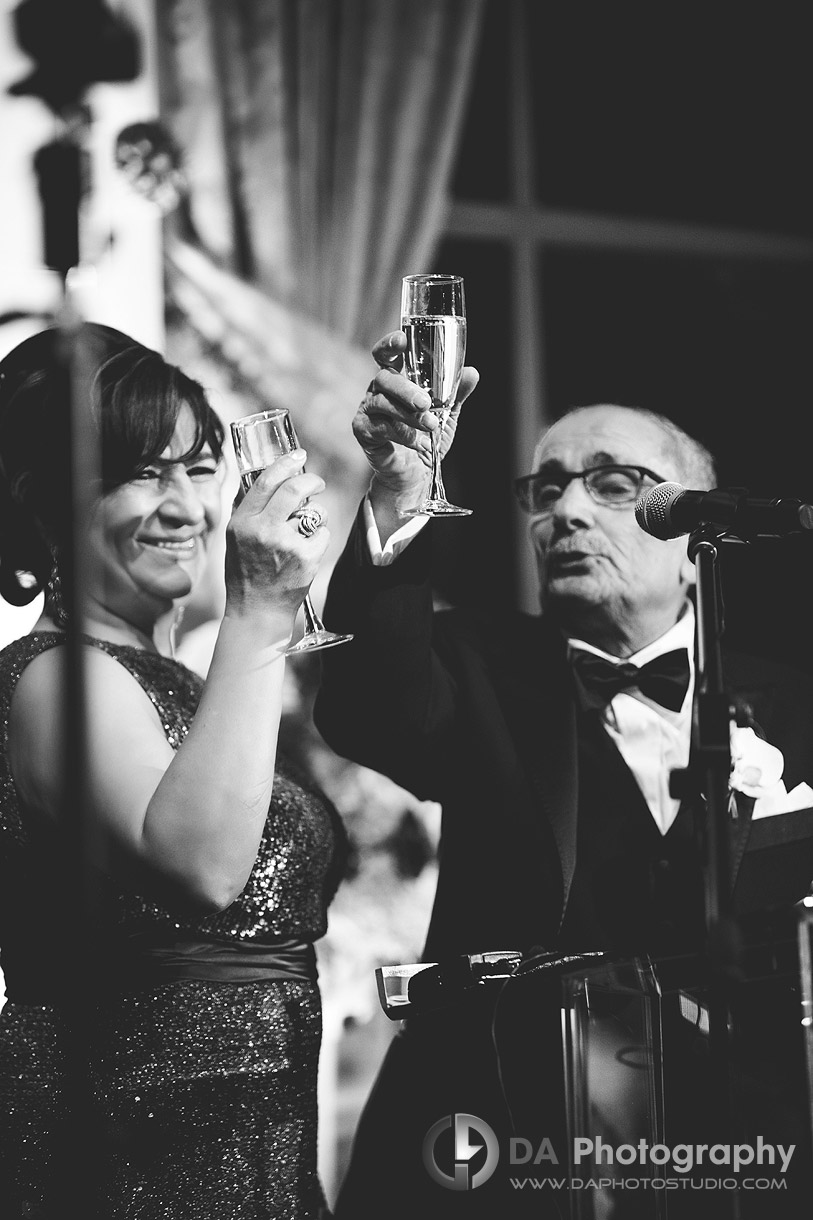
(204, 1036)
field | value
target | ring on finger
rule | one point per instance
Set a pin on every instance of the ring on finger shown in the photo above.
(309, 519)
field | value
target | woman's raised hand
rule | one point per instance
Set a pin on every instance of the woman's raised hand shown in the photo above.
(270, 564)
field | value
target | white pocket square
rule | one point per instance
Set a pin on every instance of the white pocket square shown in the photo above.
(778, 800)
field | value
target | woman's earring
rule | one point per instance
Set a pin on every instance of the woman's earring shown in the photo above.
(54, 587)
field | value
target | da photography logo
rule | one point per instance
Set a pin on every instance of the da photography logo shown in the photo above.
(462, 1152)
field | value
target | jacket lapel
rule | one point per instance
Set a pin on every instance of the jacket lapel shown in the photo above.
(539, 701)
(741, 807)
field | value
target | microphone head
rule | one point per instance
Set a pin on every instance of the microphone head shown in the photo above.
(653, 510)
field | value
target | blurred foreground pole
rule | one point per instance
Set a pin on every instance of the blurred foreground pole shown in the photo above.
(74, 44)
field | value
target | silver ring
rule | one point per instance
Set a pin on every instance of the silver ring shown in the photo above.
(309, 519)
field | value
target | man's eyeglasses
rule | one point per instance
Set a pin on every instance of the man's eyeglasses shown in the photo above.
(612, 486)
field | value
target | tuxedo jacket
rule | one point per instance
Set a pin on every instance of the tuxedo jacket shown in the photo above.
(482, 715)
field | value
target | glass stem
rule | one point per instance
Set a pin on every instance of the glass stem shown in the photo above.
(312, 621)
(437, 491)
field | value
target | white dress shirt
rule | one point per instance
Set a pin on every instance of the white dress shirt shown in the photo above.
(653, 740)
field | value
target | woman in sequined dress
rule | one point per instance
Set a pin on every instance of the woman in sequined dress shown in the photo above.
(160, 1038)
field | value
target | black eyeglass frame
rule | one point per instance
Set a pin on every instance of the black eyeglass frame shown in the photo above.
(523, 484)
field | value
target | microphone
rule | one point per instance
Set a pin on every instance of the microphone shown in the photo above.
(669, 510)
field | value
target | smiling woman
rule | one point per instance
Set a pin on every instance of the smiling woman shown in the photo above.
(211, 859)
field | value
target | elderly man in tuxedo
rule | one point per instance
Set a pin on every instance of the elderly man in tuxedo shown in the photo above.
(552, 766)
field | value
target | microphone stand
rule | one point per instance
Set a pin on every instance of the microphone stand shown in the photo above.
(709, 774)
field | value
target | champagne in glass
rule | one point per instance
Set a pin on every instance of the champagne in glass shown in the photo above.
(258, 441)
(433, 318)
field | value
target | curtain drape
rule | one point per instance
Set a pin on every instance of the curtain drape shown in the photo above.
(318, 139)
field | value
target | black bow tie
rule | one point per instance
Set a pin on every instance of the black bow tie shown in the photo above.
(664, 679)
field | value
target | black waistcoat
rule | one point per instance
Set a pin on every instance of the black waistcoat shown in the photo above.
(634, 890)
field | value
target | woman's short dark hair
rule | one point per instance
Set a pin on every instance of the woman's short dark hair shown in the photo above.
(134, 398)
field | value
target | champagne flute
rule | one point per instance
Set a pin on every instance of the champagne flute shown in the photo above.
(258, 441)
(433, 318)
